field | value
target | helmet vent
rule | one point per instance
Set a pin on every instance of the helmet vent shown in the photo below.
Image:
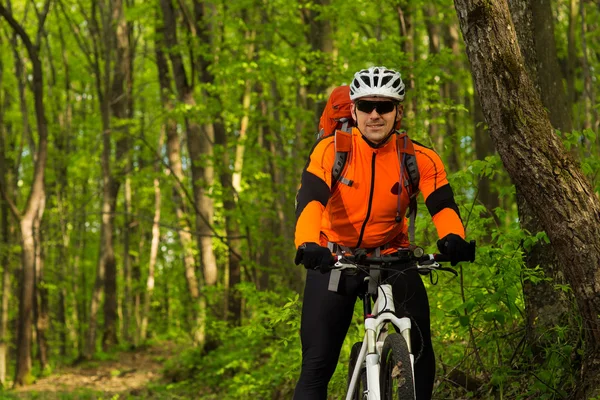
(379, 82)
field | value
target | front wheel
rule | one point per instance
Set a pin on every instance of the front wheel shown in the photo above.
(396, 375)
(360, 388)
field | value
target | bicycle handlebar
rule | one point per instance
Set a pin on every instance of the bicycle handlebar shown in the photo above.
(405, 256)
(388, 259)
(427, 262)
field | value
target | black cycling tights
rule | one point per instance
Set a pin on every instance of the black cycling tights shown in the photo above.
(326, 317)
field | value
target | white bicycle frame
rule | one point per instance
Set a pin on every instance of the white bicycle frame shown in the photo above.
(375, 334)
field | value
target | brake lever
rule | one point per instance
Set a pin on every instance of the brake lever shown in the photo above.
(431, 265)
(448, 269)
(340, 266)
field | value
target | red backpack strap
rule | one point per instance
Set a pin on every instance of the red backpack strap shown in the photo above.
(343, 146)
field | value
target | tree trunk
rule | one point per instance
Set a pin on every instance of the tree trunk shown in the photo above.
(145, 296)
(433, 25)
(121, 108)
(571, 55)
(4, 234)
(233, 301)
(4, 301)
(265, 252)
(79, 281)
(199, 143)
(544, 304)
(27, 292)
(127, 300)
(320, 37)
(244, 123)
(591, 119)
(196, 145)
(20, 75)
(33, 208)
(483, 148)
(452, 96)
(106, 256)
(62, 145)
(230, 191)
(554, 186)
(404, 9)
(151, 261)
(549, 74)
(42, 318)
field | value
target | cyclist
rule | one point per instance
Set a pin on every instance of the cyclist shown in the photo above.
(364, 211)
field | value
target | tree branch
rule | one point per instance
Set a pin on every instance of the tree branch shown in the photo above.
(13, 207)
(17, 28)
(41, 21)
(86, 51)
(191, 200)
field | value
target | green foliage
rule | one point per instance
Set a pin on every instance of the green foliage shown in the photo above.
(584, 144)
(254, 360)
(275, 51)
(478, 319)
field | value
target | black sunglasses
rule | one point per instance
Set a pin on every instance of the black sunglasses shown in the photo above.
(382, 107)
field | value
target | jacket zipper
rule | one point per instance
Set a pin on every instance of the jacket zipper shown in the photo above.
(362, 230)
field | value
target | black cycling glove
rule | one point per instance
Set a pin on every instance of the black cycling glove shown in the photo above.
(314, 256)
(457, 248)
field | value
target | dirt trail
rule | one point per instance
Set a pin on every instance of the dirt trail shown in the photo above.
(129, 374)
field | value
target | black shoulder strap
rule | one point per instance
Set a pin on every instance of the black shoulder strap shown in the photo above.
(408, 162)
(409, 158)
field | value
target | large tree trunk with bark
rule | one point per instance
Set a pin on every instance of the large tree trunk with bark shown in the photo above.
(554, 186)
(545, 305)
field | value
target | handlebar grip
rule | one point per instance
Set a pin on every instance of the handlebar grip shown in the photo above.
(470, 257)
(442, 258)
(472, 246)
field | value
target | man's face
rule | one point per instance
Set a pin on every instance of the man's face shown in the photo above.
(375, 116)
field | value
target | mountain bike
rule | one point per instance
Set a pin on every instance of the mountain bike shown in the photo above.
(381, 367)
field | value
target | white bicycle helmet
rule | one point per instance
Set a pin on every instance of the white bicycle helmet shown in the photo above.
(377, 82)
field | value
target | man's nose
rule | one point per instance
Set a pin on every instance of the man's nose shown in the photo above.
(374, 114)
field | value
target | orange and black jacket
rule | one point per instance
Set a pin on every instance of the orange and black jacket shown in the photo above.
(363, 215)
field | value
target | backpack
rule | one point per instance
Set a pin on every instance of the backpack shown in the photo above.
(336, 120)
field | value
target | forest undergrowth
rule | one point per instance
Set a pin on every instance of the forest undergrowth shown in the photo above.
(133, 374)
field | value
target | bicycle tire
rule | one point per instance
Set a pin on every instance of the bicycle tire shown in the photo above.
(361, 384)
(396, 376)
